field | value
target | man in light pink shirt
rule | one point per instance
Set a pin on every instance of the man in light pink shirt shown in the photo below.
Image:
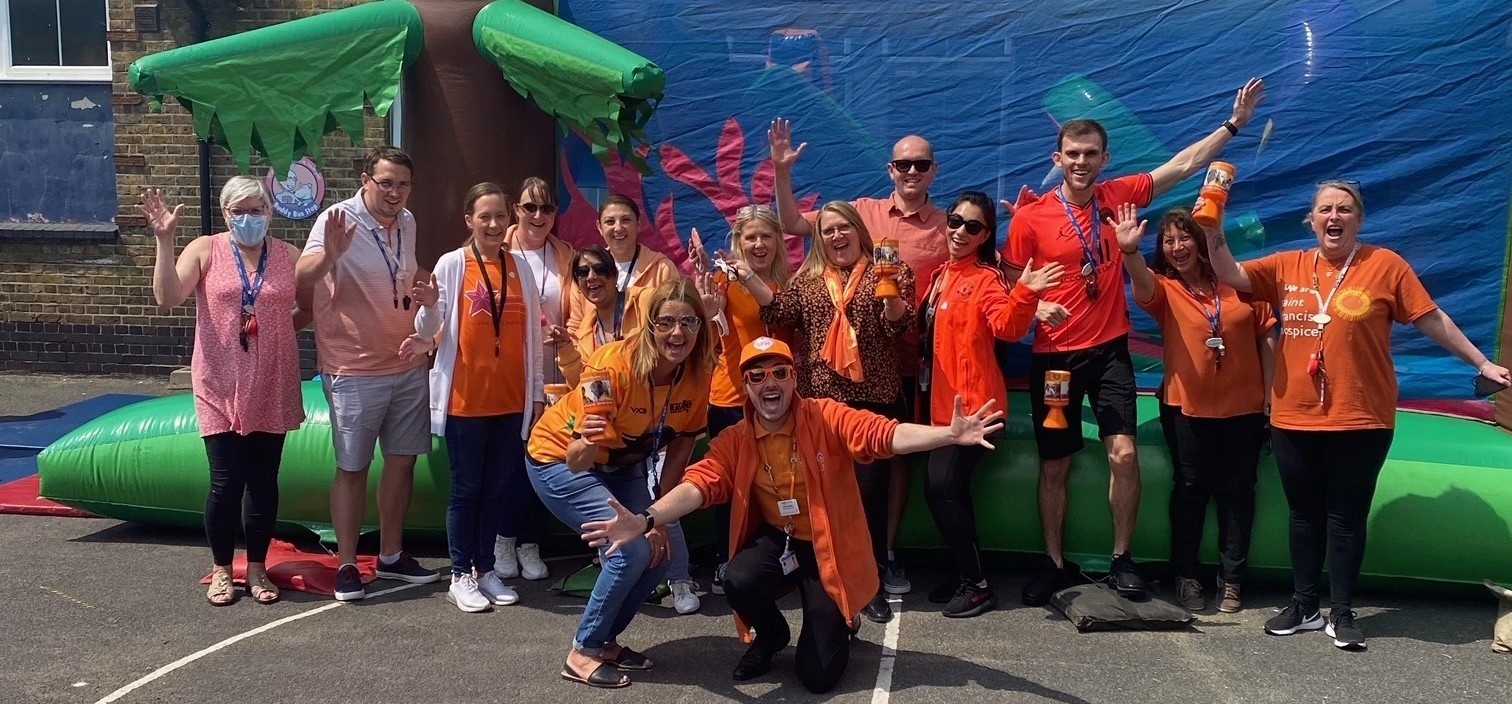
(360, 259)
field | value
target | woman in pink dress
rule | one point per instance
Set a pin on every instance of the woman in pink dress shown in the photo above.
(245, 366)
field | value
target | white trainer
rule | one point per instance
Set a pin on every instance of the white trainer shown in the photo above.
(531, 565)
(684, 600)
(504, 558)
(464, 593)
(496, 591)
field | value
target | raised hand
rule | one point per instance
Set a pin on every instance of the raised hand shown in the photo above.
(1245, 101)
(164, 222)
(973, 429)
(696, 253)
(338, 235)
(780, 139)
(426, 293)
(1051, 314)
(1025, 197)
(1040, 279)
(1128, 228)
(711, 292)
(615, 532)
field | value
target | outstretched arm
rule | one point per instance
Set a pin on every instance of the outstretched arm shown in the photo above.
(964, 429)
(627, 526)
(1440, 328)
(780, 138)
(1188, 161)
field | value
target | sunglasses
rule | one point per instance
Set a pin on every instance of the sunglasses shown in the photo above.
(544, 208)
(604, 269)
(973, 227)
(919, 165)
(1340, 182)
(781, 372)
(664, 323)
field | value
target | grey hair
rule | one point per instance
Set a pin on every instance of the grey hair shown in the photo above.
(240, 188)
(1350, 187)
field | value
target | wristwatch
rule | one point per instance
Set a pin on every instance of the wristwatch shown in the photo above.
(650, 520)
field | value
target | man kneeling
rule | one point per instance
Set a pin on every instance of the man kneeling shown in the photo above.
(796, 520)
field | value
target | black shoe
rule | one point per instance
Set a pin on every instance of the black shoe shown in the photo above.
(970, 600)
(1126, 579)
(1049, 580)
(1342, 629)
(943, 591)
(878, 610)
(1295, 619)
(349, 584)
(406, 569)
(757, 660)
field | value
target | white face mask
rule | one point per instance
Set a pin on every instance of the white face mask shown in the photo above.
(249, 230)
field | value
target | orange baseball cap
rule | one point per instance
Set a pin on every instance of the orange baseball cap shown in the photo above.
(765, 347)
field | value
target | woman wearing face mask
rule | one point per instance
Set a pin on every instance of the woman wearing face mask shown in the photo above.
(483, 388)
(966, 308)
(579, 461)
(1333, 405)
(517, 551)
(638, 268)
(245, 366)
(848, 339)
(1220, 355)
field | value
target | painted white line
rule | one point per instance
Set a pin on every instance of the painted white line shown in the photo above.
(882, 690)
(176, 664)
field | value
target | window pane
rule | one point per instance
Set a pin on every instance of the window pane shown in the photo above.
(34, 32)
(84, 33)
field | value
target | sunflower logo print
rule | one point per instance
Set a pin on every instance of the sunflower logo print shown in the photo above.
(1352, 304)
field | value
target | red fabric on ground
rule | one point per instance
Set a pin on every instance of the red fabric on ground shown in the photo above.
(290, 568)
(20, 497)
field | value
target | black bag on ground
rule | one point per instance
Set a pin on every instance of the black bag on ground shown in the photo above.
(1097, 607)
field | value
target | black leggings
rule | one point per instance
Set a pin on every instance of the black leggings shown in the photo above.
(243, 490)
(720, 418)
(875, 481)
(1329, 478)
(1212, 458)
(948, 491)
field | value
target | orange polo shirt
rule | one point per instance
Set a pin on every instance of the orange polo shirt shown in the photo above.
(484, 384)
(743, 315)
(778, 450)
(1195, 381)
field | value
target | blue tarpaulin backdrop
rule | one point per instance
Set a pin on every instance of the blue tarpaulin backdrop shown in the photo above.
(1408, 96)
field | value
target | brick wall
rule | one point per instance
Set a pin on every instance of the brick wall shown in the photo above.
(70, 305)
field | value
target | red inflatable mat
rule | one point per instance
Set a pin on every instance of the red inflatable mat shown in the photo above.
(291, 568)
(20, 496)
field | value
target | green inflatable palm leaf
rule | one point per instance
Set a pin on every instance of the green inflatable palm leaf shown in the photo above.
(280, 89)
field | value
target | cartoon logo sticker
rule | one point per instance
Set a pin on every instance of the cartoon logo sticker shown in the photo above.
(762, 343)
(299, 194)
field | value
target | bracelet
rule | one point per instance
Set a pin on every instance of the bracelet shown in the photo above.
(1481, 370)
(1231, 127)
(650, 520)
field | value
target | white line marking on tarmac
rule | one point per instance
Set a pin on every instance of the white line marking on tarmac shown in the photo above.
(882, 690)
(176, 664)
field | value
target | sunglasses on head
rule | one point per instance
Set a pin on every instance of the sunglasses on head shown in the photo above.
(544, 208)
(664, 323)
(973, 227)
(780, 372)
(919, 165)
(604, 269)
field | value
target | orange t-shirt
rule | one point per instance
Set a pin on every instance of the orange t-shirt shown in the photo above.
(1042, 232)
(743, 315)
(778, 449)
(483, 384)
(1361, 390)
(637, 411)
(1195, 381)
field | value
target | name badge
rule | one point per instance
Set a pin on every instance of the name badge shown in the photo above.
(787, 507)
(789, 562)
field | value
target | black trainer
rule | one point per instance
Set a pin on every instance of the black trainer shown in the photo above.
(406, 569)
(1049, 580)
(756, 661)
(878, 610)
(970, 600)
(1342, 629)
(1295, 618)
(1126, 578)
(349, 584)
(943, 591)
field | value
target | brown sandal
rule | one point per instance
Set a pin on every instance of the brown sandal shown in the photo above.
(222, 591)
(262, 589)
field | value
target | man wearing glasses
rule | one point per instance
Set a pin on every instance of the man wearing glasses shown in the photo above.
(360, 259)
(1084, 326)
(787, 470)
(907, 216)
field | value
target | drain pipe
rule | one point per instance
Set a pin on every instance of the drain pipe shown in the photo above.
(207, 202)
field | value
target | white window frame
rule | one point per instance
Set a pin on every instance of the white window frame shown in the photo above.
(47, 74)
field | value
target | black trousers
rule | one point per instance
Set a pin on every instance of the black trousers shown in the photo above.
(947, 489)
(1330, 479)
(720, 418)
(1212, 458)
(243, 493)
(874, 479)
(753, 582)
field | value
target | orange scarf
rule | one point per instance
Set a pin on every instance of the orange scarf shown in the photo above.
(841, 350)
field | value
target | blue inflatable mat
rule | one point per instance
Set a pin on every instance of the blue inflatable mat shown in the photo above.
(38, 430)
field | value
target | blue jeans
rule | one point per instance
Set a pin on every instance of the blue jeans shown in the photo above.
(677, 544)
(483, 453)
(627, 577)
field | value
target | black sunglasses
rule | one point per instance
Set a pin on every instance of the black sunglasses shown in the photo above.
(603, 269)
(920, 165)
(973, 227)
(545, 208)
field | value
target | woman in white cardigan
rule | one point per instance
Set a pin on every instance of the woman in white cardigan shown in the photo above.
(483, 388)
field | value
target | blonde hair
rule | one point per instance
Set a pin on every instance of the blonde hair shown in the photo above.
(818, 256)
(643, 352)
(765, 215)
(240, 188)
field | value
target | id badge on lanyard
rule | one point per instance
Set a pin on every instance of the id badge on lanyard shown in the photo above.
(789, 559)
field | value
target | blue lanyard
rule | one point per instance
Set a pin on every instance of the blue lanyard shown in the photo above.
(1081, 235)
(656, 436)
(250, 289)
(393, 265)
(1214, 318)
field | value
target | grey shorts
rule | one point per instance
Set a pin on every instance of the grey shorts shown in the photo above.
(392, 410)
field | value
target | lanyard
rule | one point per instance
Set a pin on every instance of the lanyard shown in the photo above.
(495, 310)
(792, 482)
(250, 288)
(548, 254)
(394, 264)
(619, 294)
(1215, 316)
(661, 426)
(1322, 318)
(1089, 264)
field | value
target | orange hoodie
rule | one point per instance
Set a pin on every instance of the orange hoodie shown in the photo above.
(972, 306)
(832, 438)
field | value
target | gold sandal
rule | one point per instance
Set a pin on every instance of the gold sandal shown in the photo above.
(261, 588)
(222, 591)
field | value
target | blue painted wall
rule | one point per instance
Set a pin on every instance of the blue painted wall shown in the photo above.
(56, 144)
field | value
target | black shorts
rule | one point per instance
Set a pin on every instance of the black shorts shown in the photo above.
(1106, 374)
